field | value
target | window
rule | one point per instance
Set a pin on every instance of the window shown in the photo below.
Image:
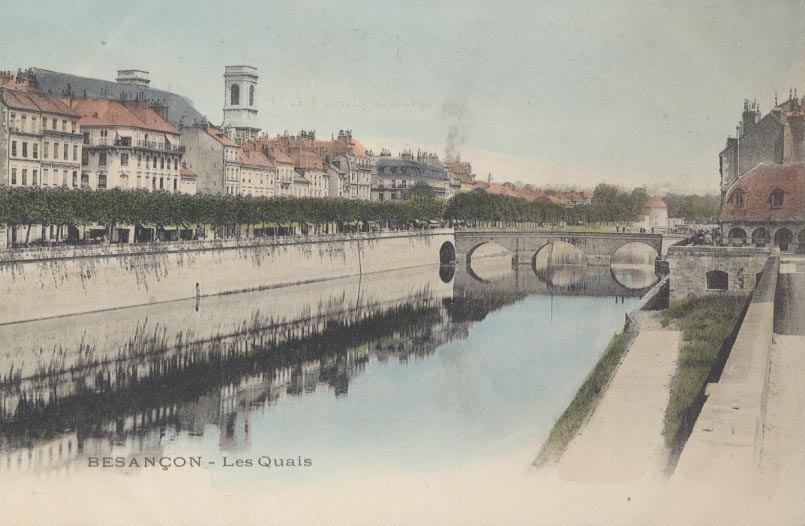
(75, 152)
(13, 176)
(251, 95)
(24, 177)
(717, 280)
(66, 151)
(102, 181)
(139, 160)
(44, 122)
(34, 175)
(176, 164)
(36, 151)
(64, 125)
(124, 159)
(102, 159)
(86, 137)
(25, 150)
(161, 183)
(738, 198)
(54, 124)
(84, 179)
(777, 198)
(75, 179)
(24, 122)
(55, 149)
(174, 183)
(84, 158)
(235, 95)
(104, 134)
(45, 176)
(13, 148)
(161, 163)
(46, 150)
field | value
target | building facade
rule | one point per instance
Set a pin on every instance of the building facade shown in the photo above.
(40, 141)
(213, 158)
(392, 177)
(128, 145)
(766, 207)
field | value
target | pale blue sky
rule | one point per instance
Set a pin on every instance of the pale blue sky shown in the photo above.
(630, 92)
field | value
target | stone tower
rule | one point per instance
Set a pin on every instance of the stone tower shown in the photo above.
(240, 113)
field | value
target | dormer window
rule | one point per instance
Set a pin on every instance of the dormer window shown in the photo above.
(738, 198)
(777, 197)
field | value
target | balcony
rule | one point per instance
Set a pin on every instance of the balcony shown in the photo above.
(125, 142)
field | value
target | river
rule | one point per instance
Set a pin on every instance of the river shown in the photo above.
(425, 369)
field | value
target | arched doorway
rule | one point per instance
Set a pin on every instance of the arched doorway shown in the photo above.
(737, 236)
(783, 238)
(760, 237)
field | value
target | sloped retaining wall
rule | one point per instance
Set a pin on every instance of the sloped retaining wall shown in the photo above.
(45, 283)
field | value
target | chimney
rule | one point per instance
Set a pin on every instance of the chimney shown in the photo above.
(133, 77)
(749, 117)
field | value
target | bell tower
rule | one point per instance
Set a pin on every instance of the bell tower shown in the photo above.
(240, 113)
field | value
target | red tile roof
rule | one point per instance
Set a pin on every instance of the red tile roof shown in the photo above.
(757, 186)
(35, 101)
(253, 157)
(187, 172)
(219, 136)
(128, 114)
(654, 202)
(308, 160)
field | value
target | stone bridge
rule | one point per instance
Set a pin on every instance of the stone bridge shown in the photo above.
(524, 246)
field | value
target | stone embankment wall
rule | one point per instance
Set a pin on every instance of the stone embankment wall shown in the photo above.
(44, 283)
(689, 266)
(726, 438)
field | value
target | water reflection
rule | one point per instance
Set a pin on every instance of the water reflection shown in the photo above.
(636, 277)
(272, 363)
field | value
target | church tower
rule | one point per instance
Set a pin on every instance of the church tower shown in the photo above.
(240, 113)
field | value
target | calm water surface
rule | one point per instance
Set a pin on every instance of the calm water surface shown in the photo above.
(417, 370)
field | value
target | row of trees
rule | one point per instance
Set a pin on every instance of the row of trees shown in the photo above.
(37, 206)
(699, 208)
(59, 206)
(480, 207)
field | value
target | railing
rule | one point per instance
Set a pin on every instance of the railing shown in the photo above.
(151, 145)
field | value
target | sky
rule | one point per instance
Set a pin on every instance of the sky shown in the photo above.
(543, 92)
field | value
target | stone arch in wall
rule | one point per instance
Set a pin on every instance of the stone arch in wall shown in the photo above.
(760, 237)
(736, 236)
(447, 253)
(783, 238)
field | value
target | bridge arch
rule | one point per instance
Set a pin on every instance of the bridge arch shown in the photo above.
(447, 253)
(487, 249)
(558, 253)
(634, 253)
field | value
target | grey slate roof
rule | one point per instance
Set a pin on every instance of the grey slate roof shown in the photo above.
(180, 109)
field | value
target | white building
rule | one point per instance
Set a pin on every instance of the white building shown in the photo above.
(40, 141)
(128, 145)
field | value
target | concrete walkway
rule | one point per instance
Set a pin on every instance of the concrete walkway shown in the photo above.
(623, 439)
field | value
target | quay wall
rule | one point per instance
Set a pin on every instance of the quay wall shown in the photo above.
(690, 265)
(46, 283)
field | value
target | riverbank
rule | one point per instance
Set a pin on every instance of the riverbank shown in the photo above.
(47, 283)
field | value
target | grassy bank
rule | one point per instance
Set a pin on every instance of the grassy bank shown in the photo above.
(585, 401)
(705, 324)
